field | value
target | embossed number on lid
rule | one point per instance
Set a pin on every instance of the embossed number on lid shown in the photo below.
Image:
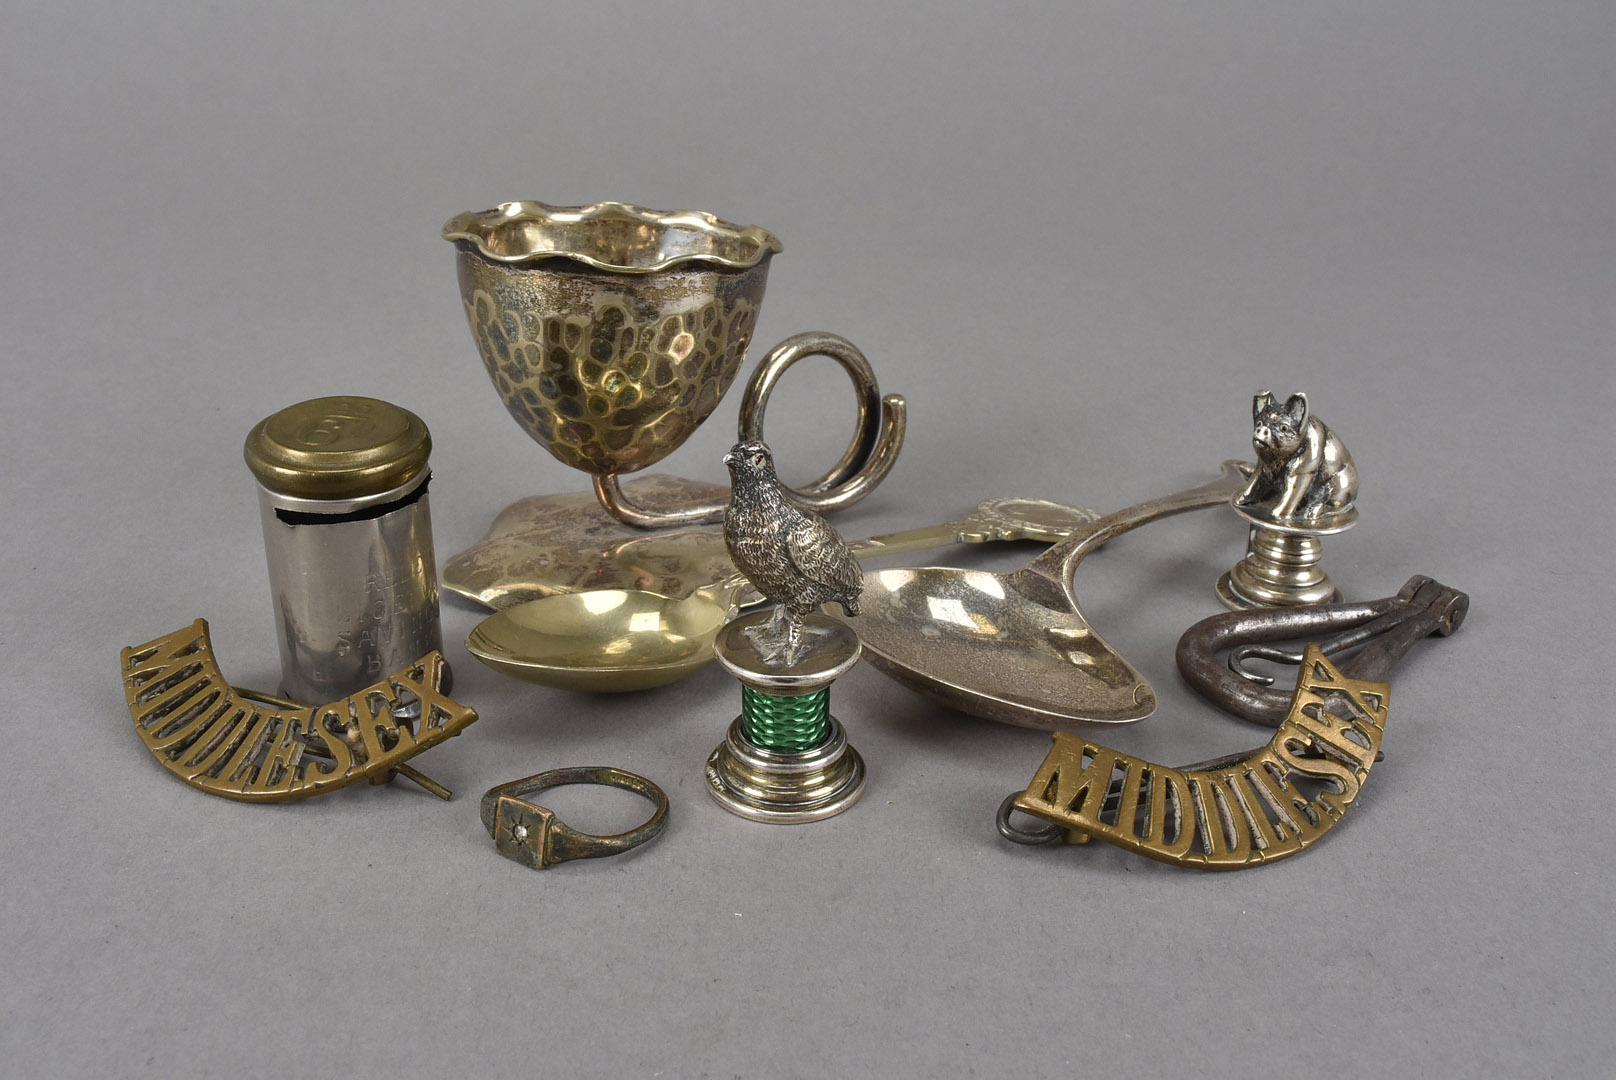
(338, 448)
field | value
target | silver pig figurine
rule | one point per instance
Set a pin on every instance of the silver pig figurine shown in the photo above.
(1305, 477)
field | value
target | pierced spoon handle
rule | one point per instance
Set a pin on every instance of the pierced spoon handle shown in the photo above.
(993, 520)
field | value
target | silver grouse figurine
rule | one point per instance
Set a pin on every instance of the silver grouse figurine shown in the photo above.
(791, 555)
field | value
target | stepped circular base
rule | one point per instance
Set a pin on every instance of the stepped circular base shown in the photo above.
(1230, 595)
(1280, 569)
(785, 788)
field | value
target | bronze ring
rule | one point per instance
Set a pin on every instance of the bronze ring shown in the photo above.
(532, 835)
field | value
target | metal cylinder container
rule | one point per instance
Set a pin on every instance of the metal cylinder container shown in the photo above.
(342, 487)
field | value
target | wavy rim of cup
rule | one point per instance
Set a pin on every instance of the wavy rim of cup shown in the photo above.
(476, 226)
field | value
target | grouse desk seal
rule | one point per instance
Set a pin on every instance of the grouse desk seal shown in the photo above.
(342, 485)
(785, 759)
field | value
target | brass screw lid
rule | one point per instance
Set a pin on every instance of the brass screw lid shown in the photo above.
(338, 448)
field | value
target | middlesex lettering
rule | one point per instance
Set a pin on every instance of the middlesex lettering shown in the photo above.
(202, 731)
(1226, 818)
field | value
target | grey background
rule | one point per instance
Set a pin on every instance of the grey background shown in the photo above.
(1078, 237)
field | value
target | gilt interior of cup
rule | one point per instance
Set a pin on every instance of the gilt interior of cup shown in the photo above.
(610, 236)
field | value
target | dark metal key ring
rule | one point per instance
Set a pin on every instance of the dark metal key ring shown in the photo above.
(532, 835)
(1044, 834)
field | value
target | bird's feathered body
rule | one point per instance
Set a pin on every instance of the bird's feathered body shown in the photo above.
(791, 555)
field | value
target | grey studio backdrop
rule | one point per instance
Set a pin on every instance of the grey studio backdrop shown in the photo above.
(1078, 237)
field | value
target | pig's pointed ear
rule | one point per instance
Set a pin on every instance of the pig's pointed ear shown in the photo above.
(1263, 400)
(1297, 407)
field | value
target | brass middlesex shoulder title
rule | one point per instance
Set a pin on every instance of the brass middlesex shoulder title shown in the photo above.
(218, 738)
(1268, 805)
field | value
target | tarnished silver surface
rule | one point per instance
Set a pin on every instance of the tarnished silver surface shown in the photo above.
(1305, 487)
(1380, 631)
(355, 595)
(1015, 647)
(545, 545)
(612, 331)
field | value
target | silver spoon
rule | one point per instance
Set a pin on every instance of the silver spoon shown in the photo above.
(1015, 647)
(607, 640)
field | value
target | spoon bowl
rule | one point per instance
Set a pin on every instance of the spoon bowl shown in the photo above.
(979, 643)
(604, 639)
(1016, 647)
